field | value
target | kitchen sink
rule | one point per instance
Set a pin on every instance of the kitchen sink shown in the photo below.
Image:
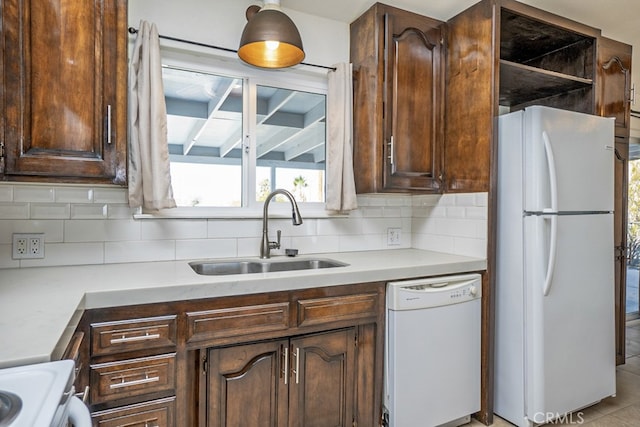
(225, 267)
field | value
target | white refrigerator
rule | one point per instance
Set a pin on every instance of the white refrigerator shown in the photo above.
(555, 332)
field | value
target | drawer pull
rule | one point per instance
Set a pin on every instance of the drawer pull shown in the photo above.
(126, 339)
(146, 380)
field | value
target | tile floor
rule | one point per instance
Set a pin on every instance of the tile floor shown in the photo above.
(620, 411)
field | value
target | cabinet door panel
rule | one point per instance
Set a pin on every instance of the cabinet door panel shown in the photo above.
(247, 385)
(65, 89)
(322, 383)
(614, 74)
(413, 105)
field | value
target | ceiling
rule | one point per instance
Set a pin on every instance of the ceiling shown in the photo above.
(617, 19)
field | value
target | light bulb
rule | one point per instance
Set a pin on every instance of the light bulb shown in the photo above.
(272, 44)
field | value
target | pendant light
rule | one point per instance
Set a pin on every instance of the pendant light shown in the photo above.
(270, 39)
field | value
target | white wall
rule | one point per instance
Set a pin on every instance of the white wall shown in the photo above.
(220, 23)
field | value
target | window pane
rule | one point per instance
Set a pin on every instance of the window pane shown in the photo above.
(204, 126)
(290, 143)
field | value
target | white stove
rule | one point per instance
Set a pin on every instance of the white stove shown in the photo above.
(45, 396)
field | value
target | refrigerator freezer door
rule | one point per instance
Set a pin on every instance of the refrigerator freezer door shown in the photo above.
(576, 162)
(569, 334)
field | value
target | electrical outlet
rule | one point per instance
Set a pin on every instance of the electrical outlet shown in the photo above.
(28, 246)
(394, 236)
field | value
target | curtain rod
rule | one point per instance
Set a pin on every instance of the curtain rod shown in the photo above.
(135, 31)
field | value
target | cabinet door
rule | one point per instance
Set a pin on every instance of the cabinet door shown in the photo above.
(248, 385)
(413, 103)
(614, 81)
(64, 66)
(323, 379)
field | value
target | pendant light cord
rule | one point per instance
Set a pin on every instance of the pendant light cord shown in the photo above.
(135, 31)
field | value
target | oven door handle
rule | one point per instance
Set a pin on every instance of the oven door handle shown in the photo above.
(79, 413)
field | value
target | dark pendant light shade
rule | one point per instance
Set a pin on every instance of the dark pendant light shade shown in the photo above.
(270, 39)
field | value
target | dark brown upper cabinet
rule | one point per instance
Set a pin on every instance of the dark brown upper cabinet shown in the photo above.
(64, 91)
(614, 84)
(503, 56)
(398, 100)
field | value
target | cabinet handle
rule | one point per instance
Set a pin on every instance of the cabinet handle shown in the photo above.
(391, 150)
(297, 370)
(632, 94)
(125, 339)
(285, 370)
(146, 380)
(109, 124)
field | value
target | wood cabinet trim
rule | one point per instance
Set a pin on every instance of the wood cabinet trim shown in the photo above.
(236, 321)
(134, 334)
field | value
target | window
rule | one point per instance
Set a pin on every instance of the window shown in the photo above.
(236, 136)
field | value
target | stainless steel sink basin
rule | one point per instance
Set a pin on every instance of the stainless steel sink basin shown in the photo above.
(10, 405)
(245, 266)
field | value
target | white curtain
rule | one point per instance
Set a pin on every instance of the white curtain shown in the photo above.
(149, 177)
(341, 189)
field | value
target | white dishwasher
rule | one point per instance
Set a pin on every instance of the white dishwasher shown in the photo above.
(432, 367)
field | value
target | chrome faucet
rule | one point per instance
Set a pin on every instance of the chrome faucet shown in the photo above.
(266, 245)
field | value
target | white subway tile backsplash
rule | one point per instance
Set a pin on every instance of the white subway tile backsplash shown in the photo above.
(249, 246)
(365, 242)
(68, 254)
(110, 195)
(315, 244)
(470, 247)
(339, 226)
(84, 231)
(5, 259)
(233, 228)
(206, 248)
(465, 199)
(118, 211)
(372, 212)
(6, 193)
(139, 251)
(92, 211)
(87, 225)
(14, 210)
(456, 212)
(26, 193)
(164, 229)
(50, 211)
(122, 230)
(73, 194)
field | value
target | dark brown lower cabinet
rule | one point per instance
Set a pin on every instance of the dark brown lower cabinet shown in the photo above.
(303, 381)
(301, 358)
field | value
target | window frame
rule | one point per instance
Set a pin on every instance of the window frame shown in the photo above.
(294, 79)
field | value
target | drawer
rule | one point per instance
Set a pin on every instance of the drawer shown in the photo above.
(133, 377)
(317, 311)
(133, 334)
(157, 413)
(234, 321)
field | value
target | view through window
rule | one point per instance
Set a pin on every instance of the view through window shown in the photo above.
(224, 131)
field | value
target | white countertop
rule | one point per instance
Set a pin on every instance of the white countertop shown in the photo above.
(40, 307)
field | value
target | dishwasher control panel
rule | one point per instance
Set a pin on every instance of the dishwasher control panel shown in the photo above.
(433, 292)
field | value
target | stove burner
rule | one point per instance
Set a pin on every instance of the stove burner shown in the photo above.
(10, 405)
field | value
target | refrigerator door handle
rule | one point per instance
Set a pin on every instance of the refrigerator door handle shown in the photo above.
(551, 164)
(552, 254)
(553, 192)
